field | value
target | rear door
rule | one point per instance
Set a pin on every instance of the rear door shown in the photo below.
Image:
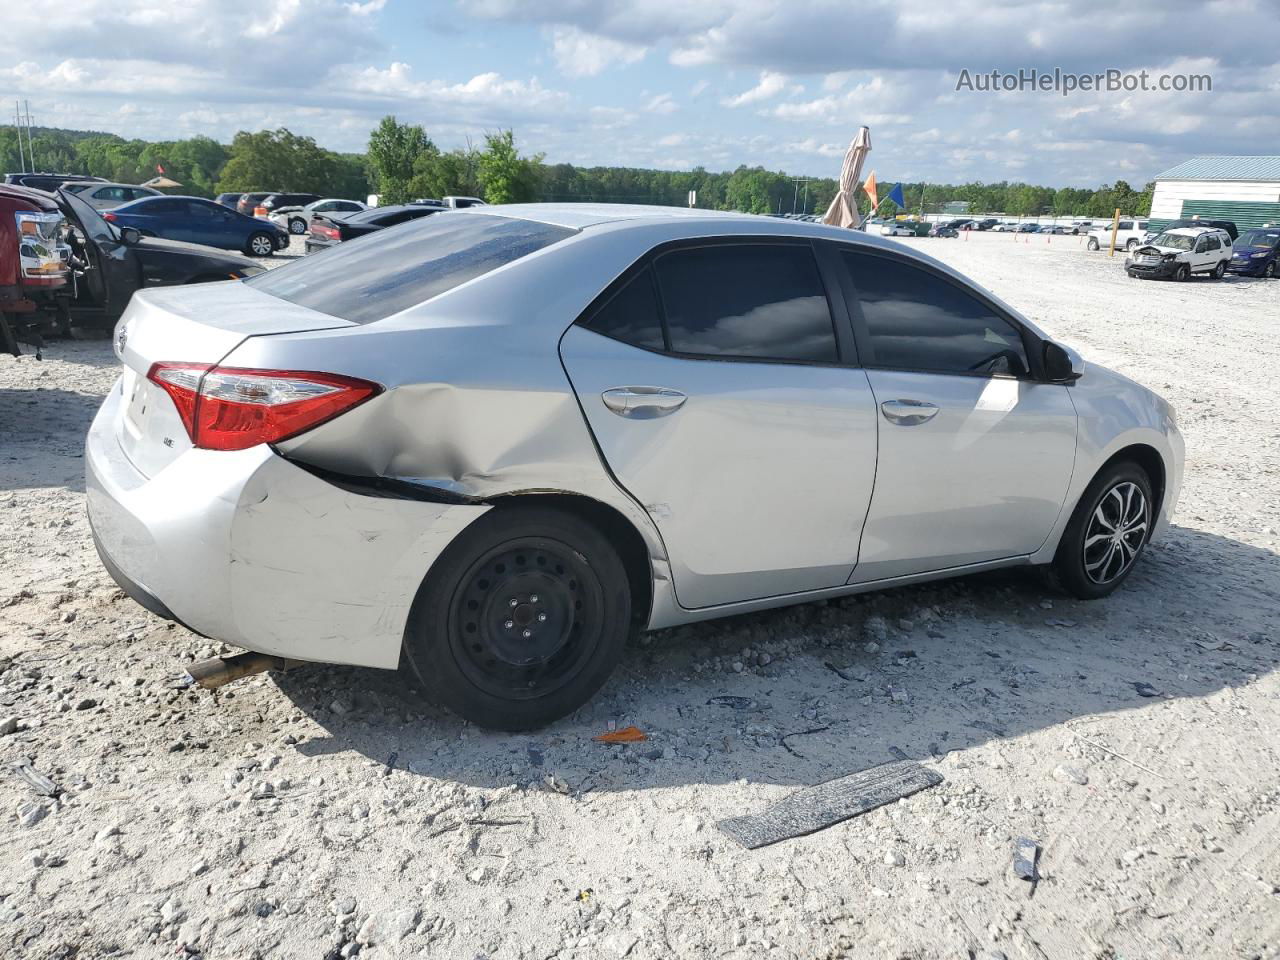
(727, 400)
(975, 453)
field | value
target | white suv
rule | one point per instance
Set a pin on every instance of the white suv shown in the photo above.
(1128, 236)
(1180, 253)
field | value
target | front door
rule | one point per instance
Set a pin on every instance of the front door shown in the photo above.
(733, 414)
(975, 454)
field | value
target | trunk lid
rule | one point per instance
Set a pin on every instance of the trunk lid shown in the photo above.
(191, 324)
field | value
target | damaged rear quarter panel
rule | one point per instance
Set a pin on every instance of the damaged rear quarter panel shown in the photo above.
(476, 401)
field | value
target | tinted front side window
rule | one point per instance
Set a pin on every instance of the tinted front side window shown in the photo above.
(388, 271)
(756, 301)
(632, 314)
(916, 320)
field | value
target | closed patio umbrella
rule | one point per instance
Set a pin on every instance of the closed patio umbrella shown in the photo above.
(843, 212)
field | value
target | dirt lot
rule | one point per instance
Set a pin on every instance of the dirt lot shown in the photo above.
(329, 811)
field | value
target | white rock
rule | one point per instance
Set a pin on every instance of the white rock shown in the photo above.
(29, 814)
(8, 725)
(390, 926)
(1064, 773)
(894, 858)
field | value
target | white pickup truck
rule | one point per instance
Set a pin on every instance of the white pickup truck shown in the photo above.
(1128, 236)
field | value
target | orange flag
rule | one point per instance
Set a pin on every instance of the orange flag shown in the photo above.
(870, 188)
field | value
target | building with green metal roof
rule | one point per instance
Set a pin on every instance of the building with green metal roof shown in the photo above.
(1245, 190)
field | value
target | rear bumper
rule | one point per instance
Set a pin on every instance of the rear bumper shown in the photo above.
(247, 548)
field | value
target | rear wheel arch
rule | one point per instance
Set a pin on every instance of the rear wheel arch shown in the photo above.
(614, 526)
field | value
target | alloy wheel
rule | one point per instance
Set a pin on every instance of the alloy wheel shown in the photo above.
(525, 618)
(1115, 532)
(297, 227)
(261, 245)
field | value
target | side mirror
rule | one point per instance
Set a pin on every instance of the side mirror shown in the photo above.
(1060, 364)
(130, 235)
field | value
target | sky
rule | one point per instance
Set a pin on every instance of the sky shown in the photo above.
(672, 83)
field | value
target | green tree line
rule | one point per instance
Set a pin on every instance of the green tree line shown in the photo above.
(401, 163)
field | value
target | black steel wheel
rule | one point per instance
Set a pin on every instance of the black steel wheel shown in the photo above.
(1107, 532)
(521, 620)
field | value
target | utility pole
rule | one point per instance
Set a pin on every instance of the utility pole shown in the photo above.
(796, 194)
(17, 126)
(31, 150)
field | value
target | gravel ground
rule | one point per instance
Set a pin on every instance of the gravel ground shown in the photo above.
(328, 812)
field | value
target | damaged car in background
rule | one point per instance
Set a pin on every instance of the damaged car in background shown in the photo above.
(489, 446)
(64, 269)
(1180, 254)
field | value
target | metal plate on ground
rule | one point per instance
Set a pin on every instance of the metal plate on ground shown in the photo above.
(811, 809)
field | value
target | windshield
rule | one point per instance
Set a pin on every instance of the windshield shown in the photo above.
(1263, 239)
(380, 274)
(1174, 241)
(87, 218)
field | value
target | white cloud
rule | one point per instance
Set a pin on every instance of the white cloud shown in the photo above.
(662, 103)
(580, 54)
(771, 84)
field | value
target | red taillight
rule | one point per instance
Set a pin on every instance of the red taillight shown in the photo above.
(228, 408)
(109, 217)
(324, 230)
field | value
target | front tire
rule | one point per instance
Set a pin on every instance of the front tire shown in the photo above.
(1107, 533)
(1269, 270)
(260, 244)
(1183, 273)
(297, 226)
(521, 620)
(1093, 244)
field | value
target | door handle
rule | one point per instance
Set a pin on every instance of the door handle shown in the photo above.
(908, 413)
(643, 403)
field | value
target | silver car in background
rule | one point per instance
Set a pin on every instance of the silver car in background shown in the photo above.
(491, 443)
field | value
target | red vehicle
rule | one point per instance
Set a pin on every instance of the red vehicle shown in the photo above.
(35, 264)
(64, 269)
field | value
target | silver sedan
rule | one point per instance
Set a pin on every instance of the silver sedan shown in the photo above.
(492, 443)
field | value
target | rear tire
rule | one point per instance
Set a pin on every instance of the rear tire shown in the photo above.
(521, 620)
(260, 244)
(1220, 270)
(1107, 532)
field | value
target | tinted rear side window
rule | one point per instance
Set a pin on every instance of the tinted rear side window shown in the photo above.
(391, 270)
(632, 315)
(918, 321)
(752, 301)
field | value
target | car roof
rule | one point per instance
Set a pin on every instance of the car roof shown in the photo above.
(1194, 231)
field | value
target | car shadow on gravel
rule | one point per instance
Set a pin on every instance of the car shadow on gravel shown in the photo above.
(823, 689)
(42, 435)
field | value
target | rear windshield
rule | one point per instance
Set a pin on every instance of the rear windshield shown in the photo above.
(391, 270)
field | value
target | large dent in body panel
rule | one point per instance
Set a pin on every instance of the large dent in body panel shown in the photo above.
(474, 441)
(320, 573)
